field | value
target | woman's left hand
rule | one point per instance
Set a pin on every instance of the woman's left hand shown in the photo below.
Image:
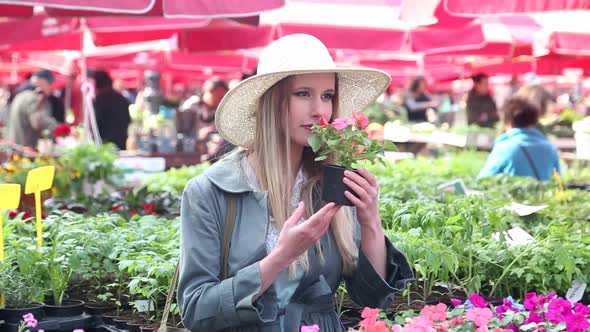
(367, 190)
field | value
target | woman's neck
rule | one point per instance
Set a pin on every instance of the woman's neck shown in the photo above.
(296, 157)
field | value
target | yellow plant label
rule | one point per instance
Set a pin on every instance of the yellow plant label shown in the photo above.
(39, 179)
(9, 196)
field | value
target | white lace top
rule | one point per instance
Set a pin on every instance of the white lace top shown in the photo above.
(272, 234)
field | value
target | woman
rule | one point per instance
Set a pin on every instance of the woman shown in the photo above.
(289, 252)
(418, 101)
(523, 150)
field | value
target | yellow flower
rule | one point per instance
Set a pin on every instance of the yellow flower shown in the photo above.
(26, 161)
(15, 157)
(9, 167)
(54, 191)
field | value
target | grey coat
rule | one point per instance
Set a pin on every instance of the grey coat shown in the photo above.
(210, 304)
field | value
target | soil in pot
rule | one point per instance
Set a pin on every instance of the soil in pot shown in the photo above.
(68, 308)
(334, 186)
(15, 315)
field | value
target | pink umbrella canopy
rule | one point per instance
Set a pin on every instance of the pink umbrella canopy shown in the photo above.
(473, 8)
(169, 8)
(15, 11)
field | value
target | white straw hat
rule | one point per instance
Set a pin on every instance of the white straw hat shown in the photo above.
(291, 55)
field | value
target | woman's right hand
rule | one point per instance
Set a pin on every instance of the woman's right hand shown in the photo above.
(295, 239)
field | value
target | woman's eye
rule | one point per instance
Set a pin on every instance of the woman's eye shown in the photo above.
(302, 94)
(328, 96)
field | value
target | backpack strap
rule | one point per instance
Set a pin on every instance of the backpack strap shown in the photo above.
(530, 160)
(230, 222)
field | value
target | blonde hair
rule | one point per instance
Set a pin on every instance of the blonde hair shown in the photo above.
(271, 149)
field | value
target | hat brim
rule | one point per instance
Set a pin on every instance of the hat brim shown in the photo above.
(235, 118)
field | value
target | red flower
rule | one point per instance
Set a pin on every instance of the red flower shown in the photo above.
(133, 212)
(361, 120)
(323, 123)
(149, 208)
(27, 215)
(62, 130)
(12, 214)
(117, 207)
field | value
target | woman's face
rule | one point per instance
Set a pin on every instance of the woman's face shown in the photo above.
(310, 98)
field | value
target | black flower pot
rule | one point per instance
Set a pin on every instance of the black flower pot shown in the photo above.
(68, 308)
(15, 315)
(97, 309)
(147, 329)
(121, 324)
(334, 186)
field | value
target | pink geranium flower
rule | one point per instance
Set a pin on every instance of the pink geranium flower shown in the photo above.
(456, 302)
(479, 316)
(378, 326)
(478, 301)
(419, 324)
(435, 313)
(30, 320)
(558, 310)
(370, 316)
(310, 328)
(576, 323)
(342, 123)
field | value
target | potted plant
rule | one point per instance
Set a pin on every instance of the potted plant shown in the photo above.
(342, 144)
(20, 293)
(62, 256)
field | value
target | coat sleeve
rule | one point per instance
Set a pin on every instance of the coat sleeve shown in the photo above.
(206, 302)
(367, 288)
(40, 117)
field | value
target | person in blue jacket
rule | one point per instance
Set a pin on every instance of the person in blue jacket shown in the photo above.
(523, 150)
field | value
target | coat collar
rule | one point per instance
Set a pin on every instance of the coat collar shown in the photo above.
(228, 175)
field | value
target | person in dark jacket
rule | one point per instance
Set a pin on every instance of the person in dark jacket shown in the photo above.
(111, 110)
(418, 101)
(481, 107)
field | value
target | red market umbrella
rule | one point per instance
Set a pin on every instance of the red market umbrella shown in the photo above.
(40, 33)
(474, 8)
(168, 8)
(15, 11)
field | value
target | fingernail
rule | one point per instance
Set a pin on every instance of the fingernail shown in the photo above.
(300, 204)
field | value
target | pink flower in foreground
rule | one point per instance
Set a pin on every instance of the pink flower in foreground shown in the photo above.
(80, 330)
(456, 321)
(456, 302)
(482, 329)
(580, 308)
(379, 326)
(534, 318)
(361, 120)
(311, 328)
(323, 123)
(558, 310)
(419, 324)
(435, 313)
(370, 316)
(479, 316)
(30, 320)
(478, 301)
(342, 123)
(397, 328)
(576, 323)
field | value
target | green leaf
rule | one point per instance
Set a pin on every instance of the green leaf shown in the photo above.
(315, 142)
(389, 146)
(320, 158)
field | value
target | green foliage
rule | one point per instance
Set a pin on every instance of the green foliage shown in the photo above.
(174, 180)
